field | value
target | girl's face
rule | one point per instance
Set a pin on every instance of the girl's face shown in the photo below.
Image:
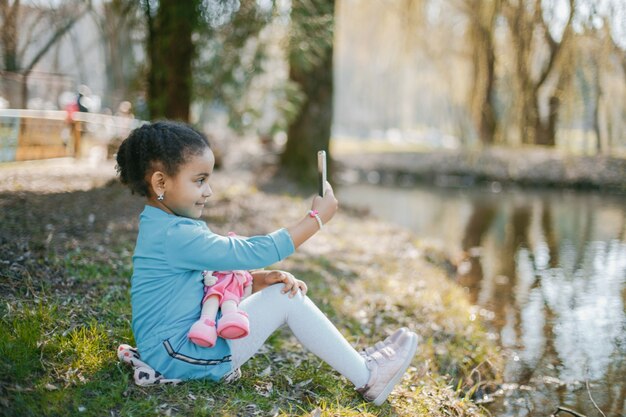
(186, 193)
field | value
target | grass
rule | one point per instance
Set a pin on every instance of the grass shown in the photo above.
(66, 307)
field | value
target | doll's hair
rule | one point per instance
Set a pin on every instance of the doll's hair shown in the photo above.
(166, 143)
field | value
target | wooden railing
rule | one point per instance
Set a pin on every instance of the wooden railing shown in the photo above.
(42, 134)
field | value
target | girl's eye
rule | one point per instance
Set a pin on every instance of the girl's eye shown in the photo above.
(200, 181)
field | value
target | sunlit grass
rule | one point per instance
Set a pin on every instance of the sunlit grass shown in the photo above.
(85, 350)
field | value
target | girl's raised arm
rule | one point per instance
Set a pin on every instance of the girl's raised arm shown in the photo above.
(188, 245)
(325, 206)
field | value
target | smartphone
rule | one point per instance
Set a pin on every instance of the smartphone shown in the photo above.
(321, 171)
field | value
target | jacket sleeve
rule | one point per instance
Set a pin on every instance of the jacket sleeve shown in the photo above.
(191, 245)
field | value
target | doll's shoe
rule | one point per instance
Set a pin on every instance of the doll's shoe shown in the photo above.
(395, 337)
(203, 332)
(233, 325)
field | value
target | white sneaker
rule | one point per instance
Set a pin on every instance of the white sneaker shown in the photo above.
(395, 337)
(387, 366)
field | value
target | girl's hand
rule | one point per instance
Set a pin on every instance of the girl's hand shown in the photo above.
(263, 279)
(326, 206)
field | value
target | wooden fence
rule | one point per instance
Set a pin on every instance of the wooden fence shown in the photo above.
(35, 134)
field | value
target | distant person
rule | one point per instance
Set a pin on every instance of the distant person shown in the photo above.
(70, 109)
(83, 99)
(125, 113)
(125, 109)
(170, 164)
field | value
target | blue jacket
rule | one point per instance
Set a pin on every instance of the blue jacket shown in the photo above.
(167, 286)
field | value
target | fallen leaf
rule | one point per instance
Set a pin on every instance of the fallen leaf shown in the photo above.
(304, 383)
(316, 413)
(266, 372)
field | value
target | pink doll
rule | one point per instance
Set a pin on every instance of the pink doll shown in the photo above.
(222, 290)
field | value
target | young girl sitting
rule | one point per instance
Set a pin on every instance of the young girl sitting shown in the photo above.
(170, 164)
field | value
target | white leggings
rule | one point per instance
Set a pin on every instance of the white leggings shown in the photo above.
(269, 309)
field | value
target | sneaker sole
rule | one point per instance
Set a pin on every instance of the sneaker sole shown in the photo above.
(396, 378)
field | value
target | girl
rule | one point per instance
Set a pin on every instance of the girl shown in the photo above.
(170, 165)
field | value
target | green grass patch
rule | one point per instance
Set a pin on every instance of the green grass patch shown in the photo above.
(84, 351)
(20, 345)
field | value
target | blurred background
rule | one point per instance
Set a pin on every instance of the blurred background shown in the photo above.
(495, 130)
(434, 73)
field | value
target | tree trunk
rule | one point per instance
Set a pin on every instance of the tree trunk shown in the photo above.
(310, 131)
(525, 22)
(522, 29)
(483, 17)
(530, 115)
(487, 124)
(596, 114)
(171, 52)
(8, 37)
(546, 135)
(24, 92)
(545, 131)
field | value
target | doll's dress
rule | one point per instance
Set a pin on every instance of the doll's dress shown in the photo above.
(230, 286)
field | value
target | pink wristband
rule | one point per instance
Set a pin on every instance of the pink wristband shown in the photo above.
(316, 216)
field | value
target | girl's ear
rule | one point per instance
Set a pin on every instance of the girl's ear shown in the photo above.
(157, 181)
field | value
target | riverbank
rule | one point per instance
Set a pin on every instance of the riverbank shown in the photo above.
(66, 258)
(535, 167)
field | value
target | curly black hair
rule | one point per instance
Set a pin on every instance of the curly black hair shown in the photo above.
(168, 143)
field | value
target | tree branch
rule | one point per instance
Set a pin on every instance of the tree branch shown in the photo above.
(31, 34)
(556, 47)
(54, 38)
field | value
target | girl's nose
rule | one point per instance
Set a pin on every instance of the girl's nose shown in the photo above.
(208, 192)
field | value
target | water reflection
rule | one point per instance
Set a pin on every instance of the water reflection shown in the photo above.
(552, 268)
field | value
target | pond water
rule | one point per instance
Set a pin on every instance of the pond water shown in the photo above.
(548, 268)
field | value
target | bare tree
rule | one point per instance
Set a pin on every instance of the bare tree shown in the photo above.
(46, 22)
(605, 59)
(592, 55)
(482, 16)
(116, 20)
(530, 33)
(595, 99)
